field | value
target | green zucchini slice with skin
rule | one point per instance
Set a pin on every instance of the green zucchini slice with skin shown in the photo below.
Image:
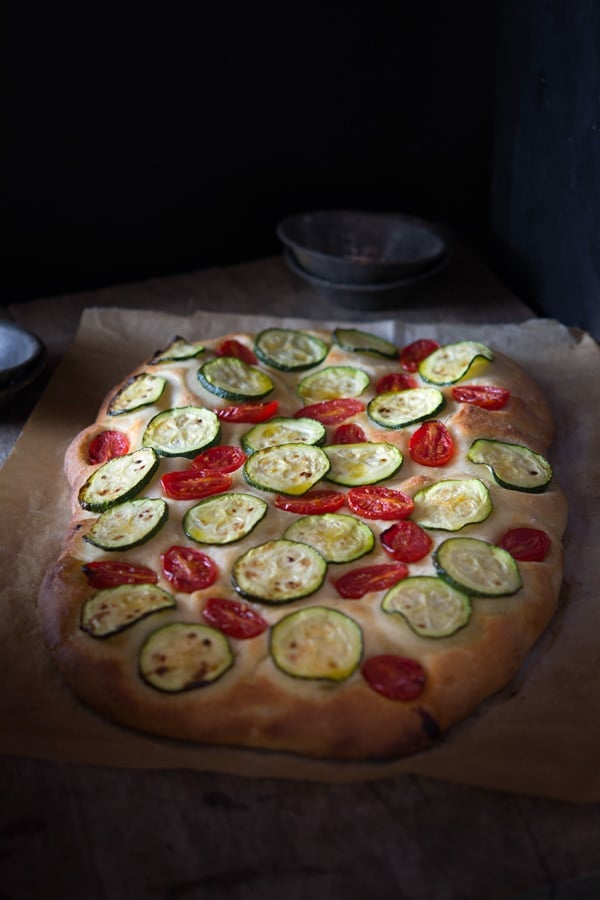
(289, 350)
(113, 609)
(432, 607)
(451, 504)
(282, 430)
(450, 363)
(182, 656)
(141, 390)
(178, 349)
(117, 480)
(224, 519)
(512, 465)
(233, 379)
(286, 468)
(332, 383)
(397, 409)
(339, 538)
(182, 431)
(367, 462)
(357, 341)
(278, 572)
(128, 524)
(477, 567)
(317, 642)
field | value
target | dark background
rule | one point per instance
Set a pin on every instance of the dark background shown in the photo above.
(171, 137)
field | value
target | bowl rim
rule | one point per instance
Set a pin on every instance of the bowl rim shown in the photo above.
(432, 227)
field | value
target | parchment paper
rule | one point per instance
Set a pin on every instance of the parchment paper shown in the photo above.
(540, 736)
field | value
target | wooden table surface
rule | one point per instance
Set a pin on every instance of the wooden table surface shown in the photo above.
(83, 833)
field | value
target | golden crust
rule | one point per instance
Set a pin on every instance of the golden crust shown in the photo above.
(255, 704)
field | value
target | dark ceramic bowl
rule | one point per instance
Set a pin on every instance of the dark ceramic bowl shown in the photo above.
(349, 247)
(386, 295)
(19, 350)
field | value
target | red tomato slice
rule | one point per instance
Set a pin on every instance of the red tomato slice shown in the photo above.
(193, 484)
(406, 541)
(188, 569)
(312, 503)
(350, 433)
(223, 459)
(431, 444)
(107, 445)
(113, 572)
(488, 396)
(396, 677)
(374, 501)
(413, 354)
(248, 412)
(358, 582)
(332, 412)
(395, 381)
(236, 348)
(526, 544)
(233, 618)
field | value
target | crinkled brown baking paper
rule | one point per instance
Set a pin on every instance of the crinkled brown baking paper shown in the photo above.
(540, 736)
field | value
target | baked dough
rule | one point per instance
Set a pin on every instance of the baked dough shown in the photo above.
(255, 703)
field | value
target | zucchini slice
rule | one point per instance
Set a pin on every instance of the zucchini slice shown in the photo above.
(182, 431)
(113, 609)
(512, 465)
(366, 462)
(182, 656)
(452, 503)
(128, 524)
(289, 350)
(278, 572)
(338, 538)
(224, 519)
(234, 379)
(477, 567)
(286, 468)
(450, 363)
(141, 390)
(332, 383)
(363, 342)
(317, 642)
(282, 430)
(117, 480)
(396, 409)
(432, 607)
(178, 349)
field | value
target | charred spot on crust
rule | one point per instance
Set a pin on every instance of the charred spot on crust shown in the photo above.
(429, 725)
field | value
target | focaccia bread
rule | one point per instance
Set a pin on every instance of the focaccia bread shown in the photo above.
(309, 542)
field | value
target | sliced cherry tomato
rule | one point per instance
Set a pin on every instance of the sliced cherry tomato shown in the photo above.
(107, 445)
(234, 618)
(107, 573)
(431, 444)
(223, 459)
(193, 484)
(396, 677)
(373, 501)
(488, 396)
(248, 412)
(312, 503)
(395, 381)
(332, 412)
(235, 348)
(188, 569)
(358, 582)
(413, 354)
(526, 544)
(349, 433)
(406, 541)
